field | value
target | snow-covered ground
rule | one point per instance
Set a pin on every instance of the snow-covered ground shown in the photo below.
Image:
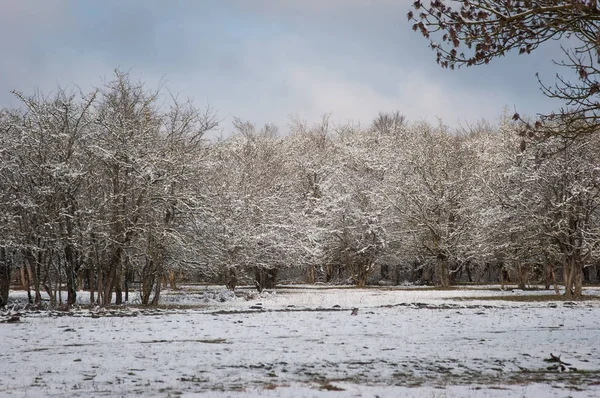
(304, 342)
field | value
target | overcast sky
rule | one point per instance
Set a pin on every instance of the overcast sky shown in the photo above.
(262, 60)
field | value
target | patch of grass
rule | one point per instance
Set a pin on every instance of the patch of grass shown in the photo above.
(168, 306)
(330, 387)
(533, 298)
(37, 349)
(194, 379)
(169, 391)
(206, 341)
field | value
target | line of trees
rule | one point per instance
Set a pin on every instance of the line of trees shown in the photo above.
(559, 193)
(92, 189)
(118, 188)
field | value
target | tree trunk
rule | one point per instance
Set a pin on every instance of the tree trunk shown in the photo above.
(128, 278)
(151, 280)
(385, 272)
(156, 297)
(109, 282)
(587, 275)
(47, 280)
(577, 278)
(328, 272)
(91, 281)
(547, 275)
(311, 274)
(24, 277)
(467, 267)
(71, 272)
(551, 278)
(148, 276)
(110, 277)
(443, 271)
(158, 273)
(4, 277)
(126, 287)
(152, 270)
(361, 279)
(361, 269)
(119, 285)
(172, 275)
(568, 278)
(99, 289)
(266, 278)
(504, 275)
(35, 275)
(232, 280)
(26, 274)
(95, 271)
(521, 276)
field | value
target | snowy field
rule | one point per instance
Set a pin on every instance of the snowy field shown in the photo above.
(304, 342)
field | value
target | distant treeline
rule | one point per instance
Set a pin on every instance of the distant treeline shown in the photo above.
(118, 186)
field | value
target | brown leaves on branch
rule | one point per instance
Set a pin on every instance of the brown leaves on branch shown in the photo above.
(474, 32)
(492, 27)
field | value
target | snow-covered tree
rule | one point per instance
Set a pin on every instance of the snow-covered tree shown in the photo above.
(429, 189)
(351, 206)
(252, 234)
(146, 156)
(47, 173)
(560, 195)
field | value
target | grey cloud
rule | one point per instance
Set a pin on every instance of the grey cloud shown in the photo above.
(262, 60)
